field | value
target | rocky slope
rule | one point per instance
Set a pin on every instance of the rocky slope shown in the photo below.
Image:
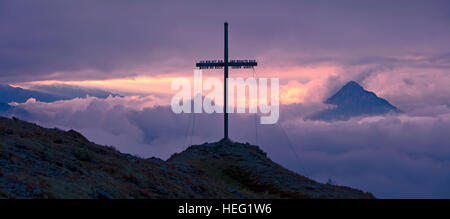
(49, 163)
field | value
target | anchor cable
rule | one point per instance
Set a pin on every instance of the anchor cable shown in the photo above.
(305, 172)
(255, 75)
(291, 146)
(187, 131)
(193, 127)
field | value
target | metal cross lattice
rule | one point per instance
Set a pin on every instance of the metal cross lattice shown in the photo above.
(218, 64)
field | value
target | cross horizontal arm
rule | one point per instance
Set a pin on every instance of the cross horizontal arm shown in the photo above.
(243, 63)
(220, 64)
(210, 64)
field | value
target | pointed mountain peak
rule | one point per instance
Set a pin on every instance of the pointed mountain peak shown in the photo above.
(351, 90)
(353, 100)
(352, 85)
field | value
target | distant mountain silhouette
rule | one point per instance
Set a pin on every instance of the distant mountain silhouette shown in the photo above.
(15, 94)
(73, 91)
(4, 107)
(10, 94)
(353, 100)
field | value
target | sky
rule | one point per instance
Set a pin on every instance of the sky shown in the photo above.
(398, 49)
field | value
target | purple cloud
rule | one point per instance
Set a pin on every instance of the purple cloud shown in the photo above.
(391, 156)
(103, 39)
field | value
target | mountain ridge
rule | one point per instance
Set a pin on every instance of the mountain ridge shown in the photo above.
(36, 162)
(48, 93)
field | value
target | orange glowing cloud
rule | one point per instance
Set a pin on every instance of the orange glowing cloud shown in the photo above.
(139, 85)
(297, 84)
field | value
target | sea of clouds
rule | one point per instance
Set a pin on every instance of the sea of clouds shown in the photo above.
(404, 155)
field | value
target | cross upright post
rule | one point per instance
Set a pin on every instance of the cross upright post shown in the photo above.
(225, 72)
(225, 63)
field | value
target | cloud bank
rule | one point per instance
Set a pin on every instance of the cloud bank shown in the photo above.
(81, 40)
(392, 156)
